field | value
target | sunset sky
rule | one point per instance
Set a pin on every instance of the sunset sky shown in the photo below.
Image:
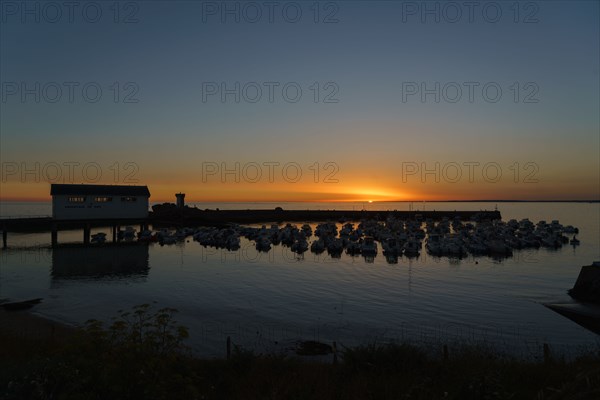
(360, 130)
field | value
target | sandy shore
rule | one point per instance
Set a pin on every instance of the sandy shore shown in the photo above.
(24, 324)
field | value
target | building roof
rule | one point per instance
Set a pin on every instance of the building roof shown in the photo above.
(104, 190)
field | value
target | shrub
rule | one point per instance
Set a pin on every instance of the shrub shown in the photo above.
(140, 355)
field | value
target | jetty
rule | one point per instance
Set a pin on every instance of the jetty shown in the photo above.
(193, 217)
(172, 216)
(83, 207)
(53, 225)
(585, 311)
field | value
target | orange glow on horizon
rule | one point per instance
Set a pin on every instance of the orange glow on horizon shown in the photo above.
(308, 192)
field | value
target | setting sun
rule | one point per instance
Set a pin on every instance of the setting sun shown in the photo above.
(333, 199)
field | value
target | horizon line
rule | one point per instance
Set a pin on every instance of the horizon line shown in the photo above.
(354, 201)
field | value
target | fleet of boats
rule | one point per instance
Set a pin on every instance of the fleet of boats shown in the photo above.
(445, 238)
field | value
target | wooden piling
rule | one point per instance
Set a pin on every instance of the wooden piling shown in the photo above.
(335, 356)
(4, 238)
(228, 347)
(86, 234)
(54, 235)
(547, 353)
(114, 233)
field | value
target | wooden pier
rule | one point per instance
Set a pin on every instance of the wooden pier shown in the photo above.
(49, 224)
(195, 217)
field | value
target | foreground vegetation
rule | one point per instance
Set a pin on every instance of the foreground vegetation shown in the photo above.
(142, 356)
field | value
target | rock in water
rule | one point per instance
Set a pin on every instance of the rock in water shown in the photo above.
(587, 286)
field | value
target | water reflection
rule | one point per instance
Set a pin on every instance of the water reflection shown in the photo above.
(76, 262)
(260, 298)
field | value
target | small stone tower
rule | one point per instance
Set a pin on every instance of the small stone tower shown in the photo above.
(180, 200)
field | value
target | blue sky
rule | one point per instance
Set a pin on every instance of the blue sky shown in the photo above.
(174, 50)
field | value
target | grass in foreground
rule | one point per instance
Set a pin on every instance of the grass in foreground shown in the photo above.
(142, 356)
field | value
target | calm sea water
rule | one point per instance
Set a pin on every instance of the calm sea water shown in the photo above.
(267, 301)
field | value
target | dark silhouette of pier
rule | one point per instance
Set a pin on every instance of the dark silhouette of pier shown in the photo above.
(49, 224)
(190, 217)
(218, 217)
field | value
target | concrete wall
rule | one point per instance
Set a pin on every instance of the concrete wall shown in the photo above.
(587, 286)
(62, 208)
